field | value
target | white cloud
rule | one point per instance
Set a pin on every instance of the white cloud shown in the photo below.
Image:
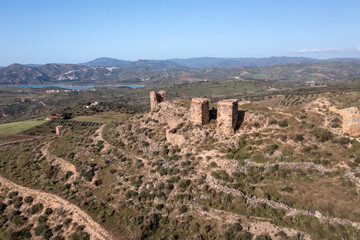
(328, 52)
(319, 50)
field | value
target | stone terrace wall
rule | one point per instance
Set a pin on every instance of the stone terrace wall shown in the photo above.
(156, 98)
(227, 115)
(199, 111)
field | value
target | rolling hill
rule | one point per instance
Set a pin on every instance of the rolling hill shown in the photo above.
(182, 70)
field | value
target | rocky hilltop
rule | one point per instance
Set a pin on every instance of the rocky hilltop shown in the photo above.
(188, 169)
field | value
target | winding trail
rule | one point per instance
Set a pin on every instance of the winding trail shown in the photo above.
(289, 115)
(64, 165)
(94, 229)
(212, 182)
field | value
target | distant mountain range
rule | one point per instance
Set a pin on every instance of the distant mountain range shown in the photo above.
(205, 62)
(110, 70)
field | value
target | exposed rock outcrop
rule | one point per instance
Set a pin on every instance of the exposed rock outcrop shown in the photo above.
(351, 120)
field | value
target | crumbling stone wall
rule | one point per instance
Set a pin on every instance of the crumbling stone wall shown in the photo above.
(227, 116)
(60, 129)
(173, 137)
(163, 95)
(199, 111)
(156, 98)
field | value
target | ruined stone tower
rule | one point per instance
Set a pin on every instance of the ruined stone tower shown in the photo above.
(227, 115)
(199, 111)
(156, 98)
(60, 129)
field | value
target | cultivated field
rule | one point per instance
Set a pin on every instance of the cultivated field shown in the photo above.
(18, 127)
(103, 117)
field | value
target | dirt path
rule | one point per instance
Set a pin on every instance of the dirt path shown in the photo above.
(290, 115)
(63, 165)
(91, 227)
(215, 184)
(99, 137)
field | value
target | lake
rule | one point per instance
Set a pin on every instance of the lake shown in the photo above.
(70, 87)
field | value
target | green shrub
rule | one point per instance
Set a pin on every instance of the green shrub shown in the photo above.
(271, 149)
(299, 138)
(36, 208)
(283, 123)
(287, 189)
(322, 134)
(28, 200)
(344, 140)
(23, 234)
(98, 182)
(68, 174)
(18, 220)
(222, 175)
(13, 194)
(184, 183)
(49, 211)
(162, 171)
(80, 236)
(272, 121)
(88, 174)
(2, 207)
(42, 219)
(183, 208)
(159, 206)
(44, 231)
(213, 165)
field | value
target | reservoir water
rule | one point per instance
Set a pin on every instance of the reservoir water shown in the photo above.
(70, 87)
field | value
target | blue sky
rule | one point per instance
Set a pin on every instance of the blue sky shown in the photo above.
(64, 31)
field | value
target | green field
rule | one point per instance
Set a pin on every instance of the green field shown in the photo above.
(103, 117)
(18, 127)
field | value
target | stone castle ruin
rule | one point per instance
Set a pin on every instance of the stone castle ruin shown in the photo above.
(229, 118)
(199, 111)
(156, 98)
(227, 115)
(60, 129)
